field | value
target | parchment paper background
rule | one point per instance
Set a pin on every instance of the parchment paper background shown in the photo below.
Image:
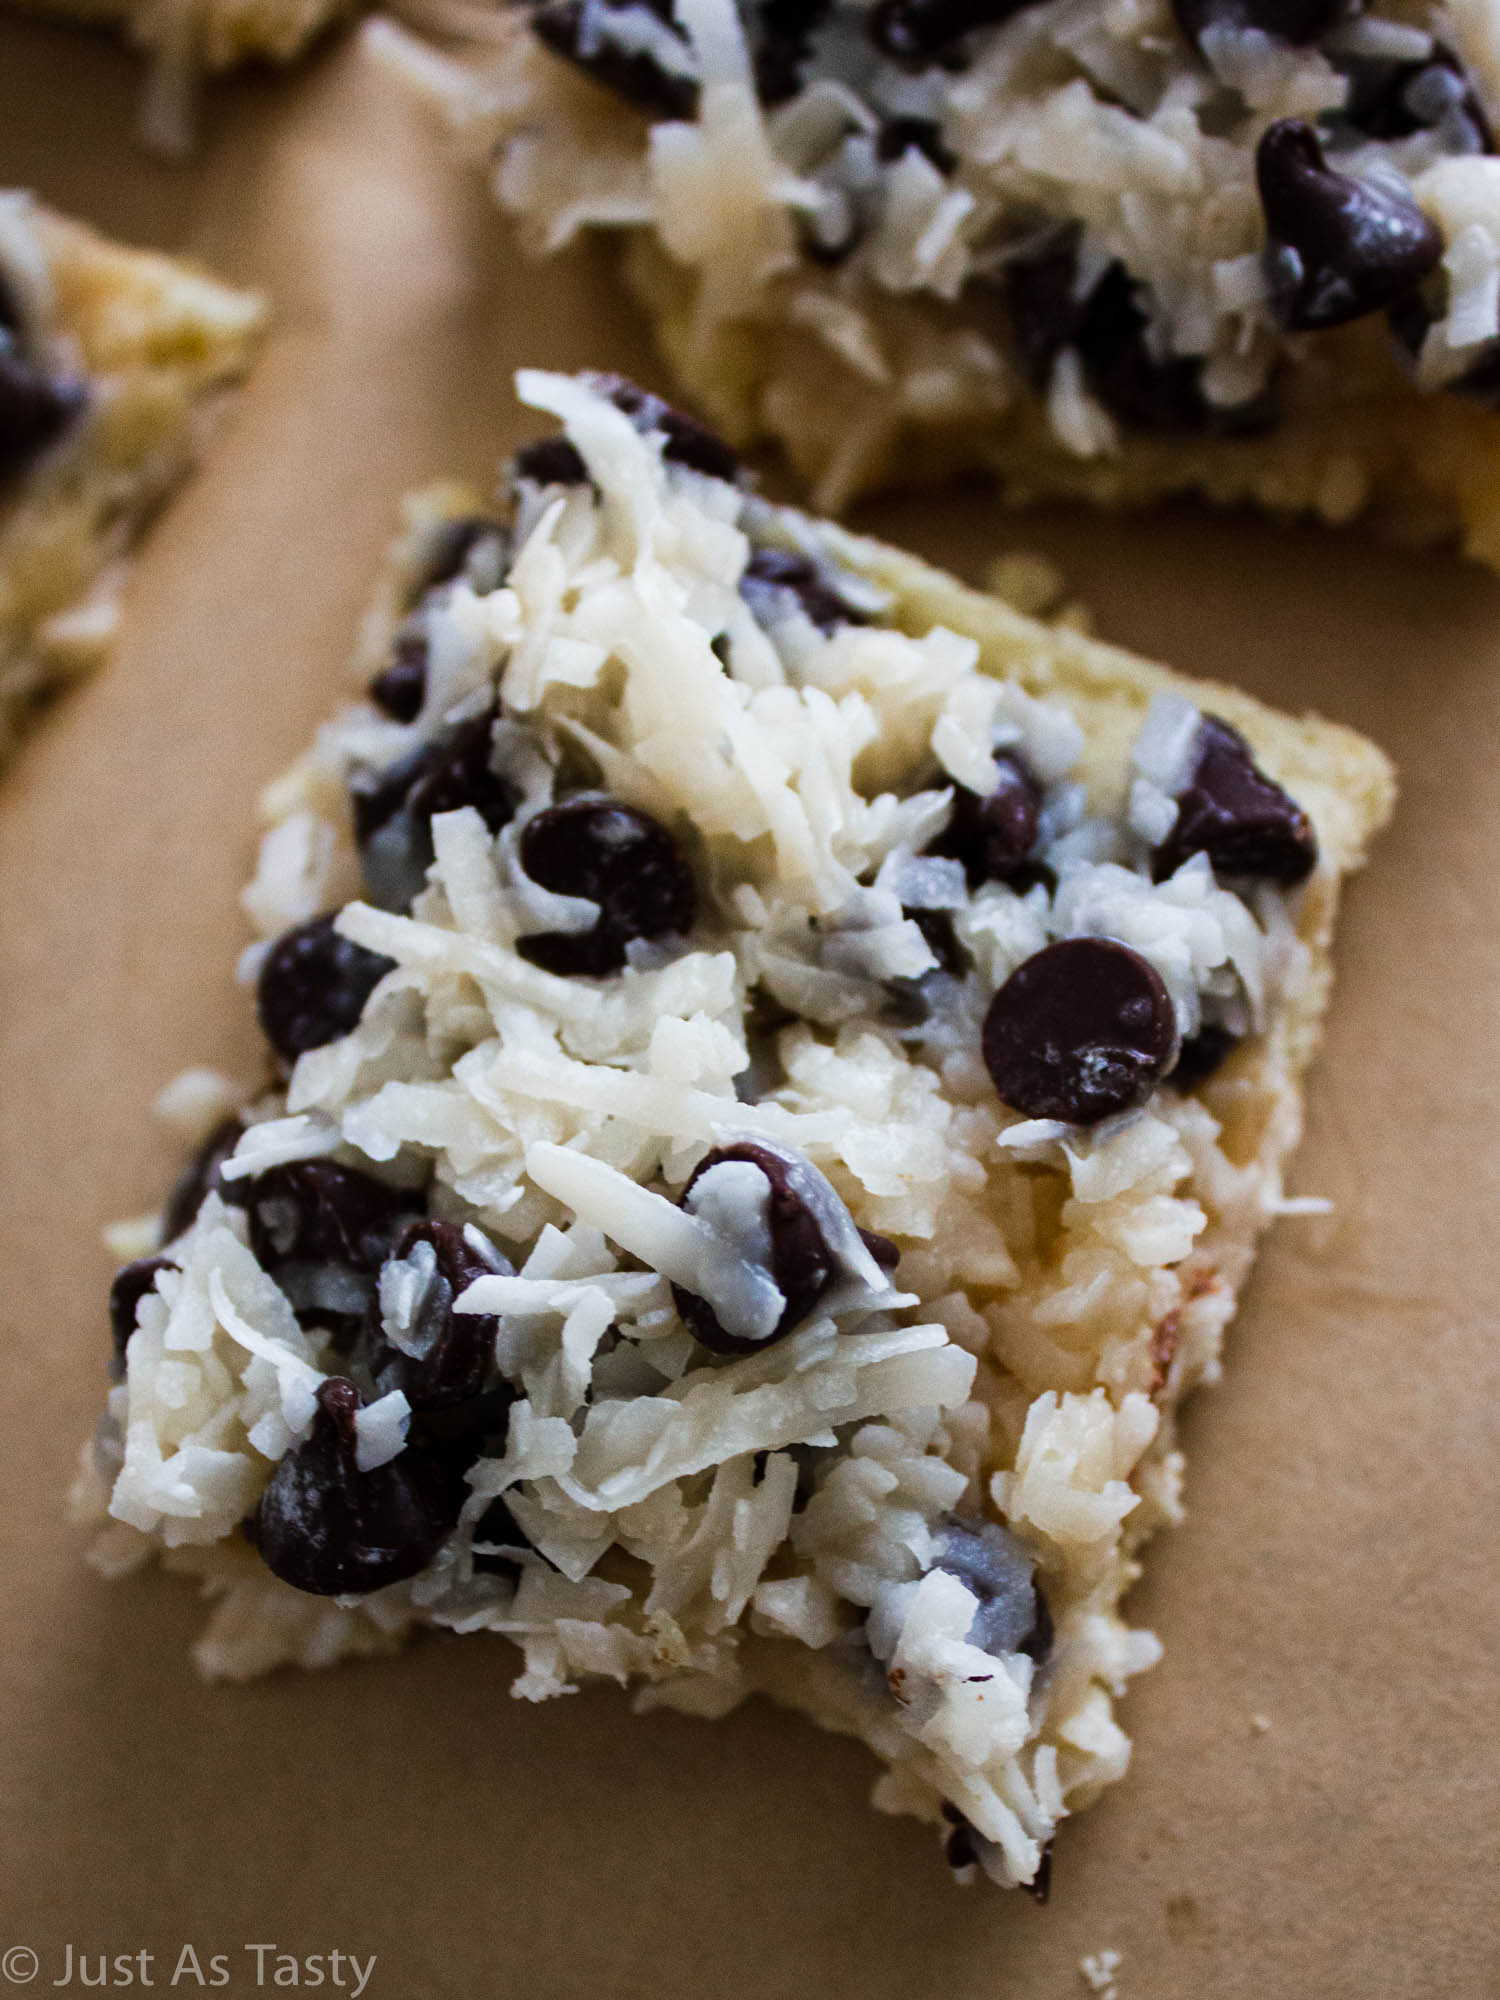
(1338, 1573)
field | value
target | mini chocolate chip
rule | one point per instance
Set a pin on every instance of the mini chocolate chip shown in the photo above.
(941, 940)
(802, 1265)
(776, 578)
(919, 33)
(1109, 329)
(993, 836)
(200, 1177)
(1338, 247)
(452, 770)
(393, 808)
(886, 1254)
(1232, 812)
(552, 461)
(783, 44)
(131, 1285)
(468, 545)
(462, 776)
(498, 1524)
(1081, 1029)
(1300, 22)
(961, 1848)
(325, 1527)
(35, 408)
(1045, 310)
(313, 987)
(615, 856)
(632, 75)
(923, 135)
(685, 440)
(454, 1352)
(1391, 100)
(1012, 1614)
(1133, 384)
(1200, 1055)
(315, 1211)
(401, 688)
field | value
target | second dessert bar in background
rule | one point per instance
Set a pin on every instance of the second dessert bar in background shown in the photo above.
(113, 363)
(1246, 248)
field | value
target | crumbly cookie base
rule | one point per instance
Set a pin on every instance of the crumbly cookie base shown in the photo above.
(1355, 439)
(159, 342)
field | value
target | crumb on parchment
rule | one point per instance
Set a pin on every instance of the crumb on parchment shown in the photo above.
(1098, 1969)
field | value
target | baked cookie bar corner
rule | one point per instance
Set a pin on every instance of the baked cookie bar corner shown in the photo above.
(112, 365)
(776, 1067)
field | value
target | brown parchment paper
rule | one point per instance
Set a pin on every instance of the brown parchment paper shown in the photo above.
(1337, 1577)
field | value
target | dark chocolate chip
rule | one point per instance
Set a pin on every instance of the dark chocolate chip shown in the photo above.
(1201, 1055)
(685, 440)
(961, 1848)
(35, 408)
(458, 773)
(12, 319)
(498, 1524)
(1391, 100)
(1144, 391)
(1338, 247)
(1041, 297)
(313, 987)
(1232, 812)
(923, 135)
(468, 545)
(1039, 1888)
(552, 461)
(1108, 326)
(802, 1265)
(775, 579)
(315, 1211)
(452, 770)
(886, 1254)
(783, 44)
(454, 1353)
(401, 688)
(200, 1177)
(918, 33)
(325, 1527)
(1012, 1614)
(393, 808)
(131, 1285)
(1081, 1029)
(941, 940)
(1300, 22)
(615, 856)
(993, 836)
(632, 75)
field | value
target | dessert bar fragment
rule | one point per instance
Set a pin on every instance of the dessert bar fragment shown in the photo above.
(113, 363)
(1245, 248)
(776, 1065)
(187, 40)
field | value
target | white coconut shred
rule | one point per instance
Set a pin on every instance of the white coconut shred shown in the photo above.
(671, 1242)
